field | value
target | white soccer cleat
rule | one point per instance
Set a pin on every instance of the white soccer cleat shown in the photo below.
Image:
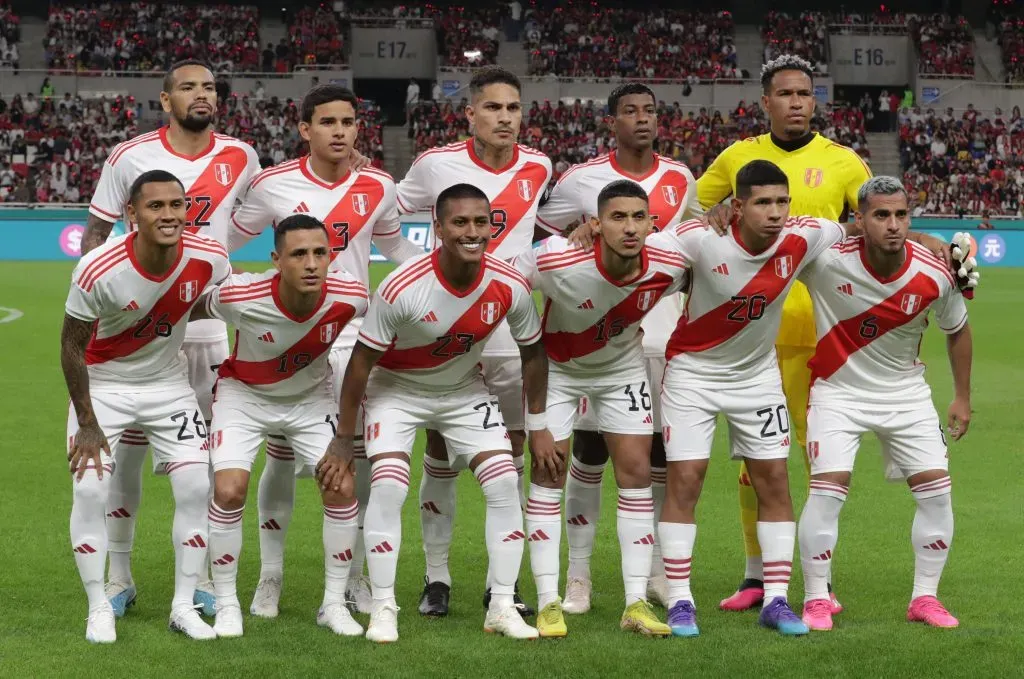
(383, 627)
(339, 620)
(266, 598)
(507, 621)
(229, 620)
(657, 589)
(577, 596)
(358, 593)
(187, 621)
(99, 628)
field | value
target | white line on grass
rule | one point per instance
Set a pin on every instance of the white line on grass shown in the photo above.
(7, 314)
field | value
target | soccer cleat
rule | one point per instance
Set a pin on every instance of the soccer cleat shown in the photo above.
(682, 619)
(266, 597)
(818, 615)
(577, 596)
(551, 622)
(929, 610)
(229, 620)
(205, 599)
(524, 608)
(508, 621)
(358, 594)
(657, 589)
(383, 627)
(121, 596)
(833, 601)
(187, 621)
(339, 620)
(434, 600)
(640, 617)
(99, 628)
(779, 616)
(750, 594)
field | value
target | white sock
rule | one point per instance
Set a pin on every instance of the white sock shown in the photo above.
(521, 488)
(437, 516)
(389, 486)
(582, 511)
(777, 539)
(932, 534)
(190, 486)
(89, 532)
(225, 551)
(275, 501)
(677, 549)
(544, 531)
(503, 527)
(341, 526)
(363, 497)
(123, 503)
(658, 478)
(819, 532)
(635, 524)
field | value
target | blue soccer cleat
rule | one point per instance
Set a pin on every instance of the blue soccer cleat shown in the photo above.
(204, 599)
(778, 615)
(121, 597)
(682, 618)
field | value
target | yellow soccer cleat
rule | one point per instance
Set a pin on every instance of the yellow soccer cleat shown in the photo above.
(551, 622)
(640, 617)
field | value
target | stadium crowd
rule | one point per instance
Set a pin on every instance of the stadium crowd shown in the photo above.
(315, 37)
(1011, 42)
(10, 35)
(805, 35)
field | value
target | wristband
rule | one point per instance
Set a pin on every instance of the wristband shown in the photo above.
(536, 421)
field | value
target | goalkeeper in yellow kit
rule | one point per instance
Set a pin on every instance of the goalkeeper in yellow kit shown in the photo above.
(823, 181)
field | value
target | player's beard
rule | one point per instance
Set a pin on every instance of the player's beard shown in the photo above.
(195, 123)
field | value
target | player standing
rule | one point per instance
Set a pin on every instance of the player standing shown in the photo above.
(672, 194)
(215, 169)
(424, 332)
(278, 380)
(124, 325)
(513, 177)
(593, 308)
(357, 207)
(871, 299)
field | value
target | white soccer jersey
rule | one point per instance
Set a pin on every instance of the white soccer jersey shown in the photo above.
(732, 316)
(140, 319)
(870, 329)
(591, 322)
(279, 355)
(432, 334)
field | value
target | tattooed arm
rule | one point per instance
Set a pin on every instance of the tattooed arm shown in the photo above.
(96, 233)
(89, 440)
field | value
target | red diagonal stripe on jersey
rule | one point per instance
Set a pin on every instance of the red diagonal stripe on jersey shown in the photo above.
(268, 372)
(565, 345)
(343, 222)
(715, 327)
(444, 348)
(511, 201)
(125, 343)
(662, 211)
(206, 193)
(845, 337)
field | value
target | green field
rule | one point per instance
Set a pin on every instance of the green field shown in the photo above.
(42, 624)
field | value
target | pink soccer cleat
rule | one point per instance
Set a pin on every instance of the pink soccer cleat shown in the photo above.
(833, 602)
(929, 610)
(749, 595)
(818, 615)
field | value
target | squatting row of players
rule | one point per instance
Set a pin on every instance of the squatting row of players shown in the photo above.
(452, 342)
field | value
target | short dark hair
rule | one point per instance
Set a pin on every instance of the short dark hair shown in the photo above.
(624, 90)
(493, 75)
(169, 76)
(457, 192)
(152, 177)
(325, 94)
(296, 223)
(759, 173)
(785, 62)
(620, 188)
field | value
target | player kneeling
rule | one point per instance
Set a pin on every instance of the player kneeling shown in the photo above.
(278, 380)
(425, 332)
(871, 298)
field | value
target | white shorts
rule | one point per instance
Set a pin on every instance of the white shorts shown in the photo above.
(339, 358)
(757, 417)
(912, 439)
(204, 357)
(503, 376)
(170, 419)
(586, 418)
(470, 420)
(241, 421)
(622, 409)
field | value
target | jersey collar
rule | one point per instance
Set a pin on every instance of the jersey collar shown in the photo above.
(484, 166)
(167, 145)
(644, 264)
(907, 256)
(307, 171)
(794, 145)
(637, 178)
(129, 244)
(275, 292)
(436, 264)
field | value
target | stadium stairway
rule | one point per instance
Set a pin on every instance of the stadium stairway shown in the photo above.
(988, 62)
(33, 38)
(885, 153)
(512, 56)
(398, 150)
(271, 30)
(749, 49)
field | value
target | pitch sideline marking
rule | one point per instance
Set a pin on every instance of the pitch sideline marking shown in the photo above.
(11, 314)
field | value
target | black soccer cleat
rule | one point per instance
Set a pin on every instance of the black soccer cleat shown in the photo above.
(434, 600)
(524, 610)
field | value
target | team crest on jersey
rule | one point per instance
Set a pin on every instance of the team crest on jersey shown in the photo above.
(812, 450)
(813, 176)
(222, 173)
(188, 291)
(216, 438)
(490, 312)
(784, 267)
(645, 300)
(328, 332)
(671, 195)
(910, 303)
(525, 188)
(361, 203)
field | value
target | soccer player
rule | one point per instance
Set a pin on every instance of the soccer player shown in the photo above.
(278, 379)
(124, 325)
(872, 295)
(513, 177)
(356, 206)
(594, 304)
(672, 197)
(215, 169)
(424, 332)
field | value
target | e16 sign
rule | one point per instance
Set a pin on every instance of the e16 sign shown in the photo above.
(870, 59)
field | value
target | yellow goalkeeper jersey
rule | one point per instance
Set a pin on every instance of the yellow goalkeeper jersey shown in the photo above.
(823, 179)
